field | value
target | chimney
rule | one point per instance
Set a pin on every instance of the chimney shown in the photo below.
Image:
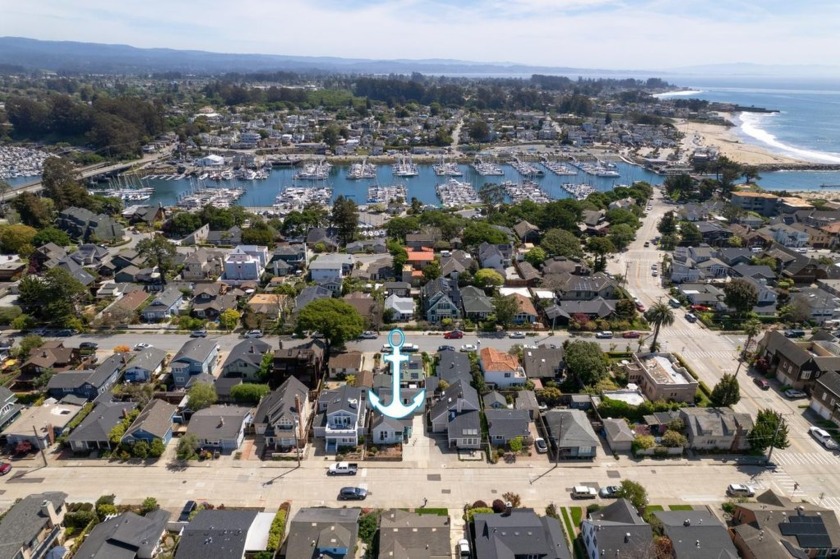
(697, 543)
(627, 537)
(687, 522)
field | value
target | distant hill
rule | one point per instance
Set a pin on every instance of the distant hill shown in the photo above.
(33, 54)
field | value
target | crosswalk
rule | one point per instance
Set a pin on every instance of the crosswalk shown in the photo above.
(805, 458)
(717, 355)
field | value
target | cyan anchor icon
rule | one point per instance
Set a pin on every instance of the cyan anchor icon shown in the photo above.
(396, 409)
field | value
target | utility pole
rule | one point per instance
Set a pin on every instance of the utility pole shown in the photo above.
(299, 409)
(775, 435)
(37, 439)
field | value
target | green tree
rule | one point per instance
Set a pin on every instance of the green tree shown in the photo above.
(183, 223)
(535, 257)
(770, 430)
(600, 246)
(659, 314)
(690, 234)
(488, 277)
(668, 242)
(621, 235)
(249, 393)
(516, 444)
(668, 224)
(740, 296)
(17, 239)
(752, 328)
(432, 270)
(187, 447)
(674, 439)
(60, 184)
(56, 297)
(726, 392)
(622, 216)
(336, 320)
(34, 210)
(550, 396)
(557, 242)
(201, 395)
(586, 361)
(28, 343)
(398, 227)
(477, 232)
(229, 319)
(158, 252)
(634, 492)
(51, 235)
(479, 130)
(149, 504)
(259, 233)
(505, 308)
(345, 219)
(157, 448)
(43, 378)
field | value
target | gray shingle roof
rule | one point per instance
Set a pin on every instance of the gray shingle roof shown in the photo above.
(250, 351)
(570, 428)
(217, 422)
(125, 536)
(149, 359)
(521, 533)
(98, 424)
(24, 522)
(453, 365)
(197, 349)
(507, 423)
(409, 535)
(697, 534)
(319, 525)
(220, 534)
(156, 419)
(280, 403)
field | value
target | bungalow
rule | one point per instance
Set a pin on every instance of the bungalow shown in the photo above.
(245, 359)
(94, 432)
(564, 311)
(347, 363)
(88, 384)
(493, 400)
(505, 425)
(527, 232)
(164, 305)
(311, 293)
(220, 427)
(398, 288)
(145, 365)
(40, 426)
(366, 306)
(322, 532)
(544, 363)
(127, 535)
(271, 305)
(476, 304)
(341, 417)
(572, 433)
(421, 240)
(619, 435)
(527, 313)
(281, 414)
(500, 368)
(409, 534)
(402, 308)
(328, 267)
(196, 356)
(386, 430)
(153, 423)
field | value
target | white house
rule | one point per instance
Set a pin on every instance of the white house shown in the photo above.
(500, 368)
(329, 267)
(341, 417)
(241, 266)
(212, 160)
(403, 307)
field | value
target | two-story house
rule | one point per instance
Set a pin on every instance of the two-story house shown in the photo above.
(441, 299)
(500, 368)
(197, 356)
(617, 530)
(245, 359)
(88, 384)
(283, 415)
(476, 304)
(716, 429)
(164, 305)
(245, 263)
(145, 365)
(287, 259)
(797, 363)
(341, 416)
(331, 267)
(586, 288)
(32, 526)
(456, 413)
(202, 265)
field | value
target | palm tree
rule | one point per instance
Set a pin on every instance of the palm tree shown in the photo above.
(752, 328)
(660, 314)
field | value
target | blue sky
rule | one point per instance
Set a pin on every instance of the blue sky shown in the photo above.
(610, 34)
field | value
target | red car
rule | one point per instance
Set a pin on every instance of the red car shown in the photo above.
(701, 308)
(631, 335)
(640, 307)
(453, 335)
(5, 468)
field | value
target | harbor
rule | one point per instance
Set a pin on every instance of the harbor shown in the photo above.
(21, 163)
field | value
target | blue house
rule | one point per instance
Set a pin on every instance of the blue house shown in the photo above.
(87, 384)
(145, 365)
(154, 422)
(195, 357)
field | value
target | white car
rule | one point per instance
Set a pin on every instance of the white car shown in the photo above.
(516, 335)
(141, 346)
(253, 334)
(468, 347)
(824, 437)
(740, 490)
(541, 445)
(795, 394)
(464, 549)
(369, 335)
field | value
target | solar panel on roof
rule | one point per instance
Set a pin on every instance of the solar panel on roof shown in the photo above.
(814, 541)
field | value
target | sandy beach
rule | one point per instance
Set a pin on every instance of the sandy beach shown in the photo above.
(729, 144)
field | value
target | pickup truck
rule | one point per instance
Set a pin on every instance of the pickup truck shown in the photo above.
(343, 469)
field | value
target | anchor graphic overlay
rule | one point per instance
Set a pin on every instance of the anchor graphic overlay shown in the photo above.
(396, 409)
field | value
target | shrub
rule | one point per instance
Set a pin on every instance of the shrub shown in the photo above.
(594, 507)
(278, 529)
(479, 505)
(513, 498)
(643, 442)
(468, 516)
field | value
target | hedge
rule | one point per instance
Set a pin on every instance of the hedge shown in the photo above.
(278, 528)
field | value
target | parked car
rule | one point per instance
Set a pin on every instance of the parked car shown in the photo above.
(541, 445)
(794, 333)
(369, 335)
(386, 348)
(639, 306)
(604, 335)
(691, 317)
(740, 490)
(468, 347)
(141, 346)
(352, 494)
(609, 492)
(410, 348)
(647, 244)
(516, 335)
(5, 468)
(762, 383)
(446, 348)
(88, 345)
(700, 308)
(583, 492)
(464, 549)
(824, 437)
(453, 335)
(343, 469)
(654, 273)
(631, 335)
(795, 394)
(189, 507)
(253, 334)
(198, 334)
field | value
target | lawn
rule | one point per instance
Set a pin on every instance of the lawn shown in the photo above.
(436, 512)
(680, 507)
(653, 508)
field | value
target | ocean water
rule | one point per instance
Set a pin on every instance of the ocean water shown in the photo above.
(807, 126)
